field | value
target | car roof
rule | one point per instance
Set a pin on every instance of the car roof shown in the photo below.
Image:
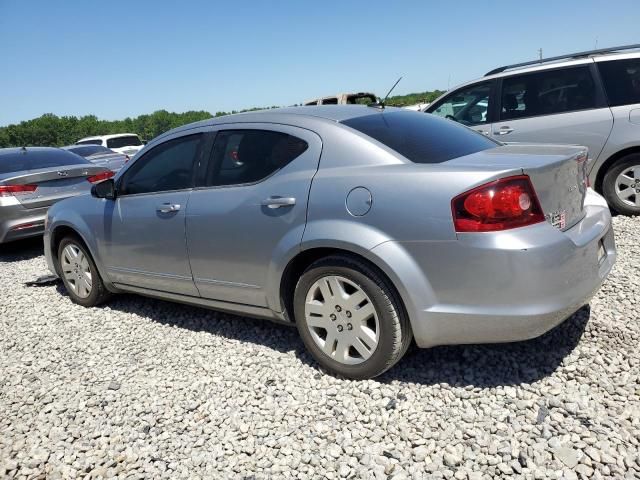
(107, 137)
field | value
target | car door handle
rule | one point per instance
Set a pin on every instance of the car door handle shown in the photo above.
(277, 202)
(168, 207)
(484, 132)
(503, 131)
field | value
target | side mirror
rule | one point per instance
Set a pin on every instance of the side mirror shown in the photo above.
(104, 189)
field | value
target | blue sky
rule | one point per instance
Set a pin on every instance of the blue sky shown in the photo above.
(124, 58)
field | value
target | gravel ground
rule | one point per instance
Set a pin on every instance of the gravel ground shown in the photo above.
(148, 389)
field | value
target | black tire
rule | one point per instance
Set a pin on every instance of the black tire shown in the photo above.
(609, 184)
(99, 294)
(394, 329)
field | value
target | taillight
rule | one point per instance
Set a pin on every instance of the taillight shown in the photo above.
(506, 203)
(12, 190)
(99, 177)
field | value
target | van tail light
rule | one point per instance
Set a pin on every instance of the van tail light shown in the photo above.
(100, 176)
(14, 190)
(500, 205)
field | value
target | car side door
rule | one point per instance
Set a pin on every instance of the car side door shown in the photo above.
(563, 105)
(250, 207)
(470, 105)
(144, 234)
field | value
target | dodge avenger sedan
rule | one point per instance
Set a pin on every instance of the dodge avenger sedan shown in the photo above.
(366, 227)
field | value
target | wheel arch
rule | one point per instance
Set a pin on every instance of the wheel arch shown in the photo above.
(609, 162)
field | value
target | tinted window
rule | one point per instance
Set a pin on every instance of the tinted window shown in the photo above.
(469, 106)
(422, 138)
(247, 156)
(16, 159)
(169, 166)
(330, 101)
(548, 92)
(621, 81)
(90, 142)
(119, 142)
(87, 150)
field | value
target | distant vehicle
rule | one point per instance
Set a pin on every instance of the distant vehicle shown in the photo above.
(589, 98)
(365, 227)
(418, 107)
(99, 155)
(362, 98)
(127, 143)
(32, 179)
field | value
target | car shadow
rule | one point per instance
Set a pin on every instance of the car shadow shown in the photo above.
(21, 250)
(481, 366)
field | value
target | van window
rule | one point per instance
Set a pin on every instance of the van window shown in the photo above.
(128, 141)
(547, 93)
(621, 80)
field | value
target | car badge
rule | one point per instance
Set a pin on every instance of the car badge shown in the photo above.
(63, 173)
(558, 219)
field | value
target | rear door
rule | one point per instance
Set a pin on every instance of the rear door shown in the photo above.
(251, 207)
(557, 106)
(470, 105)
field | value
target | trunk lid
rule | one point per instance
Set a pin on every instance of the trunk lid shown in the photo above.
(558, 174)
(52, 185)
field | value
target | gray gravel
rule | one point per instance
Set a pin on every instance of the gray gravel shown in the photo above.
(147, 389)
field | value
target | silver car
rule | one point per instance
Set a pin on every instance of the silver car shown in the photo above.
(587, 98)
(32, 179)
(99, 155)
(363, 226)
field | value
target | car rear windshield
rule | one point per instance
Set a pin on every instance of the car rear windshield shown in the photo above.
(19, 160)
(97, 141)
(421, 137)
(128, 141)
(87, 150)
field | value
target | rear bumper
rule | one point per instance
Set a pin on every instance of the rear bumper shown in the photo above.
(508, 286)
(17, 222)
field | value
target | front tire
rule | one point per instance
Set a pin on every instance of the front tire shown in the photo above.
(350, 317)
(621, 185)
(79, 273)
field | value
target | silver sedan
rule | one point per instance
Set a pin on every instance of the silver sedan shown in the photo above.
(366, 227)
(32, 179)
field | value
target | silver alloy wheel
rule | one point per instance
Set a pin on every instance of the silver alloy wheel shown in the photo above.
(342, 320)
(76, 270)
(628, 186)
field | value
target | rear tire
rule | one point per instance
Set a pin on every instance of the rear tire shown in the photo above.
(80, 274)
(621, 185)
(350, 317)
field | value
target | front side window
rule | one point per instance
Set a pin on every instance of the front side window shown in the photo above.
(547, 93)
(248, 156)
(169, 166)
(621, 80)
(128, 141)
(469, 105)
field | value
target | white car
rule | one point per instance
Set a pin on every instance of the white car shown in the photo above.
(126, 143)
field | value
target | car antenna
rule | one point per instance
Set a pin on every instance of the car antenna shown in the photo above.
(381, 104)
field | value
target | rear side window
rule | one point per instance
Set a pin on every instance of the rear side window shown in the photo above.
(90, 142)
(169, 166)
(36, 159)
(621, 80)
(119, 142)
(248, 156)
(421, 137)
(547, 93)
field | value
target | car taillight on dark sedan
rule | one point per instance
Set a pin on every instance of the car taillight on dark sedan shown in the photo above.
(500, 205)
(99, 177)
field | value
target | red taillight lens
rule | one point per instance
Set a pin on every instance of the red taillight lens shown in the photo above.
(12, 190)
(506, 203)
(100, 176)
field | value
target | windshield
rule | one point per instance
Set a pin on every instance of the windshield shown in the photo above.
(421, 137)
(128, 141)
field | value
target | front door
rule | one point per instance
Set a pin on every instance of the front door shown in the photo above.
(469, 105)
(252, 205)
(145, 243)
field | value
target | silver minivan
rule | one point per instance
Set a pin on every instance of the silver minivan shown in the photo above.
(588, 98)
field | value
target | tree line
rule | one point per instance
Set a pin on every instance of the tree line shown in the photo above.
(55, 131)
